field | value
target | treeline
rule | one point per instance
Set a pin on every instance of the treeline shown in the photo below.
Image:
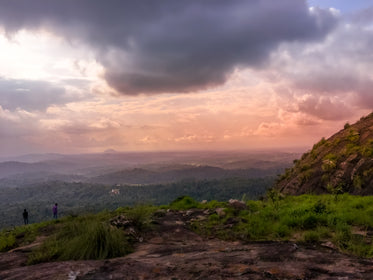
(182, 172)
(78, 198)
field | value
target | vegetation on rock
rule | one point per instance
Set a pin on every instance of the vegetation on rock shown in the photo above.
(342, 163)
(344, 222)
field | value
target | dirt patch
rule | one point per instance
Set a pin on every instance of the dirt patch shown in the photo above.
(172, 251)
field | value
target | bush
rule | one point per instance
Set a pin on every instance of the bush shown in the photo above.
(254, 206)
(184, 203)
(329, 163)
(140, 216)
(353, 136)
(282, 231)
(7, 241)
(214, 204)
(82, 240)
(319, 207)
(310, 222)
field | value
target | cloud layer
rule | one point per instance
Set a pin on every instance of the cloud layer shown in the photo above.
(30, 95)
(233, 74)
(172, 46)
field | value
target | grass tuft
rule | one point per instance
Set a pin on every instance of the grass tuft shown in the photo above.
(82, 240)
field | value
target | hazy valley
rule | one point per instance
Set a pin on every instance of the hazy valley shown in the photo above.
(158, 211)
(85, 183)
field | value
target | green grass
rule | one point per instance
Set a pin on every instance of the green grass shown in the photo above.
(306, 218)
(184, 203)
(92, 236)
(140, 215)
(82, 241)
(21, 235)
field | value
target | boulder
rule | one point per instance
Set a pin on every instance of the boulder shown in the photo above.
(237, 204)
(220, 212)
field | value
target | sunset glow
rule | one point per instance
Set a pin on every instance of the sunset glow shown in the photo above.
(176, 81)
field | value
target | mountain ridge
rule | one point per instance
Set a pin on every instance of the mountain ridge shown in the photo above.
(341, 163)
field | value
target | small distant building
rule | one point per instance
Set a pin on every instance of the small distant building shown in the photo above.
(114, 192)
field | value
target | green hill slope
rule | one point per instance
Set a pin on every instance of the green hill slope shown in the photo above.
(342, 163)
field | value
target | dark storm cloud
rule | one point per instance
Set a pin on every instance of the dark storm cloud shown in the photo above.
(29, 95)
(155, 46)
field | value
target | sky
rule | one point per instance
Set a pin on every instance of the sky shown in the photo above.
(90, 75)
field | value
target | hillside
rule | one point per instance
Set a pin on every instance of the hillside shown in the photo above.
(342, 163)
(177, 173)
(81, 183)
(191, 240)
(141, 167)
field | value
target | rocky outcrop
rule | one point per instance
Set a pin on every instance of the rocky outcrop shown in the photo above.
(237, 204)
(342, 163)
(175, 252)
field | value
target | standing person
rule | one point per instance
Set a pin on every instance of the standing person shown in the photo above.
(25, 216)
(55, 211)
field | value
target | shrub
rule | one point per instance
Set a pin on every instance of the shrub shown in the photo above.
(305, 176)
(367, 151)
(304, 156)
(213, 204)
(274, 196)
(329, 162)
(310, 222)
(282, 231)
(184, 203)
(336, 142)
(352, 148)
(140, 215)
(325, 177)
(214, 217)
(319, 144)
(305, 167)
(82, 240)
(7, 241)
(353, 136)
(328, 165)
(319, 207)
(257, 229)
(254, 206)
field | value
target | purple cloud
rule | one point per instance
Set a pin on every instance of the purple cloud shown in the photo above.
(172, 46)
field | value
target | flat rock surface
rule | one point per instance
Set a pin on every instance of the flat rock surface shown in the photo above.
(172, 251)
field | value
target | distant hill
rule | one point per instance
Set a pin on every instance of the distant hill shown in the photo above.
(178, 173)
(342, 163)
(141, 167)
(13, 167)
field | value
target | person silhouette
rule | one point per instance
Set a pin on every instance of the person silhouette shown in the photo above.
(55, 211)
(25, 216)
